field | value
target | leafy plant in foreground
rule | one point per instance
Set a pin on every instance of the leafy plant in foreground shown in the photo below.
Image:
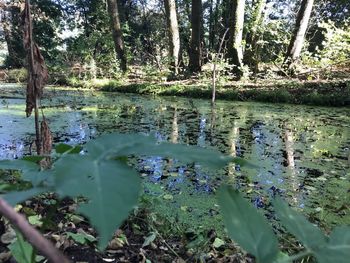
(254, 234)
(103, 176)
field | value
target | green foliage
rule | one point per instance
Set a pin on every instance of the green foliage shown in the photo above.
(103, 177)
(331, 45)
(296, 224)
(81, 238)
(17, 75)
(247, 227)
(21, 250)
(253, 233)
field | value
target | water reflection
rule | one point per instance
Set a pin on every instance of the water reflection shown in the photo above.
(301, 153)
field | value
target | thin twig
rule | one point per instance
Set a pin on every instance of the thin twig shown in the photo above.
(33, 236)
(214, 67)
(163, 240)
(282, 70)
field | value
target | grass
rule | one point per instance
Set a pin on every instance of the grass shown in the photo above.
(293, 91)
(310, 93)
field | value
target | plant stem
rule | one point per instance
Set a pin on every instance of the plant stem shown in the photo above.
(33, 236)
(214, 67)
(33, 76)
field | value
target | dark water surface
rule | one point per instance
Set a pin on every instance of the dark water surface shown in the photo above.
(302, 152)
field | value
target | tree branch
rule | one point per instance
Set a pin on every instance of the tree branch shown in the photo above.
(33, 236)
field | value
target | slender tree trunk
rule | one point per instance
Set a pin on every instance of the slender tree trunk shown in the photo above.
(211, 25)
(174, 36)
(117, 33)
(216, 23)
(296, 42)
(7, 33)
(234, 50)
(10, 23)
(175, 128)
(196, 24)
(251, 58)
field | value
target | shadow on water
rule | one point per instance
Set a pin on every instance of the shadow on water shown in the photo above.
(302, 152)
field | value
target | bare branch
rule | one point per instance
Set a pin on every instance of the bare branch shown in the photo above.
(33, 236)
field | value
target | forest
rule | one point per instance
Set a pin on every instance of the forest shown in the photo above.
(174, 131)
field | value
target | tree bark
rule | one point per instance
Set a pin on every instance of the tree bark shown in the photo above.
(174, 36)
(251, 56)
(44, 246)
(195, 64)
(296, 42)
(10, 22)
(235, 51)
(117, 33)
(216, 26)
(211, 24)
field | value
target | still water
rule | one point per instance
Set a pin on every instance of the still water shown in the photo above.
(302, 152)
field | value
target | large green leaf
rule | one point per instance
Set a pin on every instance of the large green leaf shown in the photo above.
(111, 186)
(22, 165)
(146, 145)
(309, 234)
(30, 170)
(14, 198)
(246, 226)
(338, 247)
(22, 251)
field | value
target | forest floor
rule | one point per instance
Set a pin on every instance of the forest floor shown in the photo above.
(136, 241)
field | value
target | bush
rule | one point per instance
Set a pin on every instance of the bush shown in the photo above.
(17, 75)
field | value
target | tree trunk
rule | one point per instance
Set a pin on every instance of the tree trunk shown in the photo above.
(251, 56)
(235, 51)
(10, 21)
(196, 24)
(7, 34)
(117, 33)
(216, 26)
(296, 42)
(174, 36)
(211, 25)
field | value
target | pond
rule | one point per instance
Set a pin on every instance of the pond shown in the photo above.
(301, 152)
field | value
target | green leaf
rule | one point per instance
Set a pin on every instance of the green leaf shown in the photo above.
(22, 251)
(35, 220)
(309, 234)
(77, 149)
(30, 170)
(62, 148)
(145, 145)
(338, 247)
(149, 239)
(18, 165)
(33, 159)
(65, 148)
(246, 226)
(14, 198)
(81, 237)
(111, 186)
(38, 178)
(218, 242)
